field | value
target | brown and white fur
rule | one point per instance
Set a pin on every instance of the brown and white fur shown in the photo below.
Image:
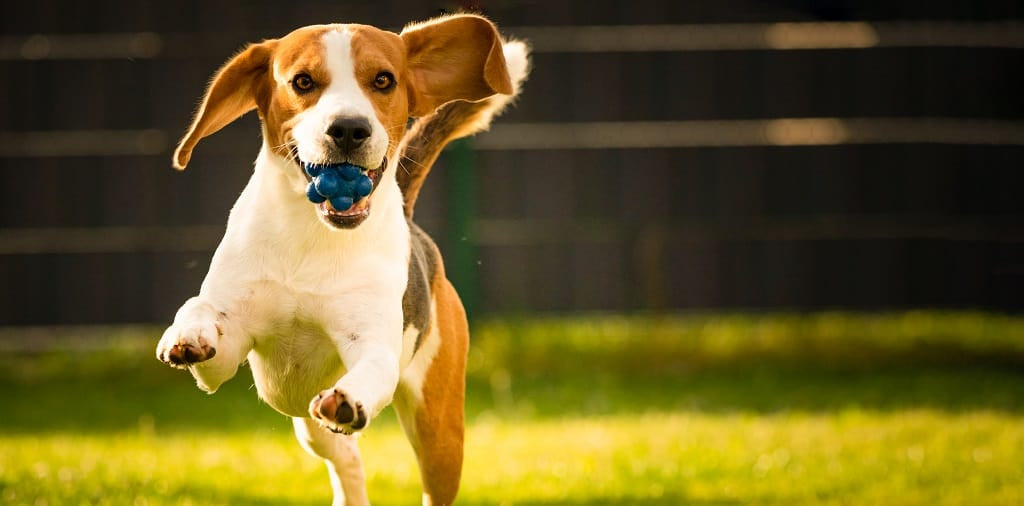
(342, 312)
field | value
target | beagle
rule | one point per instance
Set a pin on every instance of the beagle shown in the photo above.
(340, 312)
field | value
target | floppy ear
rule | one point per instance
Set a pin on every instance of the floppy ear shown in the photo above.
(458, 57)
(234, 91)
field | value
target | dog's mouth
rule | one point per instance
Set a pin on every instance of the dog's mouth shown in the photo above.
(359, 210)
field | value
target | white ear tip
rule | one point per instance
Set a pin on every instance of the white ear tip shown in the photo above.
(517, 57)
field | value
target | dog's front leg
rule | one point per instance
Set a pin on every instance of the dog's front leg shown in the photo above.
(205, 341)
(371, 359)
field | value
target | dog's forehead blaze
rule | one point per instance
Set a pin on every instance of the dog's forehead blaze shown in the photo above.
(375, 51)
(303, 51)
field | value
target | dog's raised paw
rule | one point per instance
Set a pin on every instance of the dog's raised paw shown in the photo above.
(337, 412)
(182, 347)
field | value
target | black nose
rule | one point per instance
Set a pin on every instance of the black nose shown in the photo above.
(349, 133)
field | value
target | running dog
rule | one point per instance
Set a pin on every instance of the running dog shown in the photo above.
(340, 312)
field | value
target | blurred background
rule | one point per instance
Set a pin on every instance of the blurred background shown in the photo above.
(719, 252)
(788, 154)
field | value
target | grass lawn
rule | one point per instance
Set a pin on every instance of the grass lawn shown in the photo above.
(828, 408)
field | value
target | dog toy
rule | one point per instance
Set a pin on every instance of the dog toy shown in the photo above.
(343, 184)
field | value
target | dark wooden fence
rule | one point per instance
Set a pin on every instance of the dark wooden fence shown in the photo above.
(672, 169)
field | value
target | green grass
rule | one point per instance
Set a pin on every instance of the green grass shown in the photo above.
(832, 408)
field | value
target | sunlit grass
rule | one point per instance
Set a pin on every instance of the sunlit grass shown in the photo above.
(917, 408)
(916, 457)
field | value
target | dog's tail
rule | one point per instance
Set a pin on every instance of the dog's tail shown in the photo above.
(428, 135)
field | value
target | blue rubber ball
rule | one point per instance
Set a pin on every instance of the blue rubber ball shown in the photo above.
(328, 183)
(343, 184)
(363, 186)
(312, 170)
(350, 172)
(341, 203)
(312, 194)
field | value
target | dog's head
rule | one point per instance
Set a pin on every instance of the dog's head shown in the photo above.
(343, 93)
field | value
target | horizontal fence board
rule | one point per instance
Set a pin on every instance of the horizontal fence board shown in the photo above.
(573, 39)
(770, 132)
(595, 135)
(511, 232)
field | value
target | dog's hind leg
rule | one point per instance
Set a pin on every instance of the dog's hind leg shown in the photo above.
(341, 454)
(430, 398)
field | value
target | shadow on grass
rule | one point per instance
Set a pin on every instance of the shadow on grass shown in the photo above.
(95, 392)
(762, 388)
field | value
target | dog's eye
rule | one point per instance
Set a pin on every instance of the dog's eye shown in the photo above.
(384, 81)
(302, 83)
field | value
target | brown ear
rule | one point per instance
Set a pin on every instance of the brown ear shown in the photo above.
(232, 93)
(457, 57)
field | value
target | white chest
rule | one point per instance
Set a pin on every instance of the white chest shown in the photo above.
(299, 290)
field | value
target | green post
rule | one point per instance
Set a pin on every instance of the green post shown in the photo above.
(461, 210)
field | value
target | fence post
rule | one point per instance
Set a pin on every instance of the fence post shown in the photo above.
(461, 211)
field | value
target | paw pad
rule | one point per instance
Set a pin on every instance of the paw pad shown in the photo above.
(343, 414)
(343, 184)
(183, 354)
